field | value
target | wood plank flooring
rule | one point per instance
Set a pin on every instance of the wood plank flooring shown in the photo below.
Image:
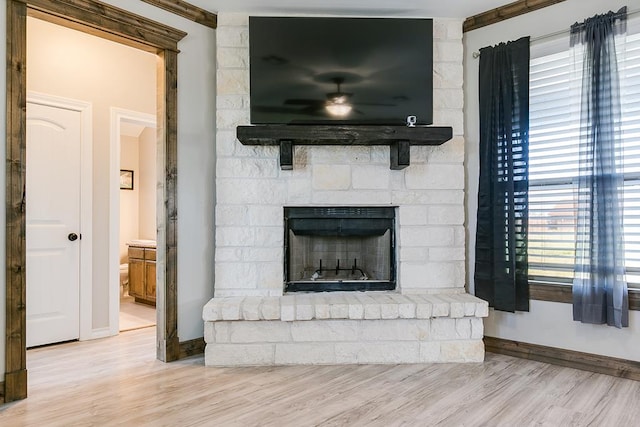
(135, 315)
(117, 381)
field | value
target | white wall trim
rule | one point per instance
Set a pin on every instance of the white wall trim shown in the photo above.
(86, 201)
(118, 115)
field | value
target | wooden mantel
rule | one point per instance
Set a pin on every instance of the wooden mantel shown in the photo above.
(398, 138)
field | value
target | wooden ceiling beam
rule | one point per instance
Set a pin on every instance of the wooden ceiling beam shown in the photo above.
(507, 11)
(187, 10)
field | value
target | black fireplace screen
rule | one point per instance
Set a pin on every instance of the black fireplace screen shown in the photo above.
(339, 249)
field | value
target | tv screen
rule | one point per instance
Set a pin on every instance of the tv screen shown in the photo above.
(340, 70)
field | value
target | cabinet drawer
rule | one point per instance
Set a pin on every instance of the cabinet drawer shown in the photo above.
(136, 253)
(150, 254)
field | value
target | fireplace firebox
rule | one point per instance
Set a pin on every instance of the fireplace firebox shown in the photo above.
(339, 249)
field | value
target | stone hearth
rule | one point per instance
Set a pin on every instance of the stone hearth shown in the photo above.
(344, 328)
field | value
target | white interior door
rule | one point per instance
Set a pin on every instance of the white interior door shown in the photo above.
(53, 224)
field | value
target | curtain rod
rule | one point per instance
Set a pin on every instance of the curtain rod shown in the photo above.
(476, 55)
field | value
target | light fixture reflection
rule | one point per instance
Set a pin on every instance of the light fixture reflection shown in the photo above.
(338, 109)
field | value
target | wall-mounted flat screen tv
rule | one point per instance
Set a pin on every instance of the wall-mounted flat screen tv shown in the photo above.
(341, 70)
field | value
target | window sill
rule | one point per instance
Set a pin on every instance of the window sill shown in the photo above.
(562, 293)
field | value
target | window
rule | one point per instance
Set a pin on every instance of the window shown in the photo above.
(553, 157)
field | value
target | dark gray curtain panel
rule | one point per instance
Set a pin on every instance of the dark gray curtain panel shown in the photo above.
(501, 265)
(599, 286)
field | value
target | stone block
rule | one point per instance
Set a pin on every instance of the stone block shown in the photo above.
(269, 274)
(470, 303)
(287, 308)
(270, 237)
(235, 236)
(338, 307)
(236, 275)
(231, 215)
(270, 308)
(424, 307)
(477, 328)
(438, 176)
(388, 308)
(209, 332)
(322, 307)
(406, 307)
(377, 352)
(233, 57)
(232, 19)
(259, 332)
(229, 119)
(362, 197)
(440, 308)
(443, 328)
(267, 254)
(429, 352)
(356, 309)
(371, 306)
(447, 51)
(331, 177)
(231, 102)
(370, 177)
(482, 309)
(447, 254)
(304, 307)
(394, 330)
(325, 330)
(462, 351)
(452, 98)
(233, 82)
(231, 308)
(453, 117)
(305, 354)
(212, 310)
(412, 215)
(239, 354)
(463, 328)
(409, 254)
(251, 308)
(247, 167)
(456, 306)
(446, 215)
(426, 236)
(232, 36)
(266, 215)
(448, 75)
(221, 331)
(451, 152)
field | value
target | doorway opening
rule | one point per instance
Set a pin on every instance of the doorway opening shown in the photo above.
(131, 30)
(135, 135)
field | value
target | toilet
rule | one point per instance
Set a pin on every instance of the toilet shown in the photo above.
(124, 280)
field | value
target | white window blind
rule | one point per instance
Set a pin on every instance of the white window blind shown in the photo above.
(553, 161)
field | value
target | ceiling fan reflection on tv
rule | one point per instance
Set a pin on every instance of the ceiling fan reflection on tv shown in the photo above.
(337, 104)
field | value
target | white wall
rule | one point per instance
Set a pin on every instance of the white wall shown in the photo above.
(196, 166)
(547, 323)
(138, 206)
(147, 180)
(129, 199)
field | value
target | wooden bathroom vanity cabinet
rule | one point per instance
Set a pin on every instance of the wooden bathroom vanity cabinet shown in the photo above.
(142, 271)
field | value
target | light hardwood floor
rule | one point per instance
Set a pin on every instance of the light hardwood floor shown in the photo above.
(134, 315)
(117, 381)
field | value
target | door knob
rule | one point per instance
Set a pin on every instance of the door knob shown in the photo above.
(73, 237)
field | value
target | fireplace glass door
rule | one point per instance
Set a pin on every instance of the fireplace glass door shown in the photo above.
(339, 249)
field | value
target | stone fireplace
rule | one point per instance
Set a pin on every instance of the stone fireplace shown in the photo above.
(423, 314)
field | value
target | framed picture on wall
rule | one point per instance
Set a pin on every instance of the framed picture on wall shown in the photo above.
(126, 179)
